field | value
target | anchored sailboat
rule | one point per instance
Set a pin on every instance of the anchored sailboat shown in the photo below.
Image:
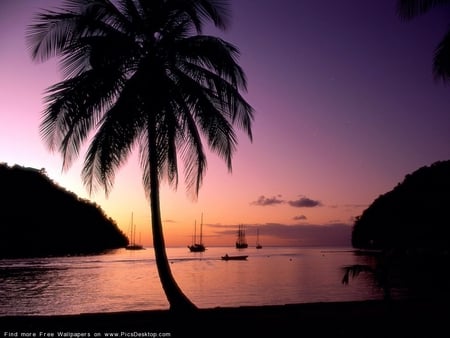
(258, 244)
(197, 246)
(241, 242)
(133, 245)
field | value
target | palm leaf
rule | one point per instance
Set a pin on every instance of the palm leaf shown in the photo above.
(409, 9)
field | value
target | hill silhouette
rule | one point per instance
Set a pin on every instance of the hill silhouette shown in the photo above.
(40, 218)
(413, 215)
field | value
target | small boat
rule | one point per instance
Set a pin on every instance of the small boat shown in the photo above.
(234, 258)
(197, 247)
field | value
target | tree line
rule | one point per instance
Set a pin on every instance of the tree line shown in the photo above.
(414, 214)
(41, 218)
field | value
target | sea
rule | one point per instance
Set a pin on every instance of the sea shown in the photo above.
(126, 280)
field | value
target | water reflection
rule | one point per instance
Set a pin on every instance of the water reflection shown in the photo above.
(404, 273)
(30, 282)
(128, 280)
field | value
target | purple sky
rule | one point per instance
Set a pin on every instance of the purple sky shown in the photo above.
(346, 106)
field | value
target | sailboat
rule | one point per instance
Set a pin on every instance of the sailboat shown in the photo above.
(197, 247)
(258, 244)
(241, 242)
(133, 245)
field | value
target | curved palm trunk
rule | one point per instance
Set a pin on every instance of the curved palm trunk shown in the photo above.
(177, 299)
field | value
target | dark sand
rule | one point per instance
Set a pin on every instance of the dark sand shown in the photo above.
(410, 318)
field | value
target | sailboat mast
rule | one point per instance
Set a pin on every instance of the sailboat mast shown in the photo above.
(201, 230)
(132, 232)
(195, 231)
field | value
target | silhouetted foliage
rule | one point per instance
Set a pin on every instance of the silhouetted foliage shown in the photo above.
(409, 228)
(40, 218)
(415, 214)
(405, 272)
(410, 9)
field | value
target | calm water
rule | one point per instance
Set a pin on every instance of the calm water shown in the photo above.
(127, 280)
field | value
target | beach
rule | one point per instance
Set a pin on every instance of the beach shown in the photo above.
(374, 318)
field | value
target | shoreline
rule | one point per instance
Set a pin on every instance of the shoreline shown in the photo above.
(372, 318)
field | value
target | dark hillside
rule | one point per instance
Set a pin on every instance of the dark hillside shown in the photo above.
(40, 218)
(415, 214)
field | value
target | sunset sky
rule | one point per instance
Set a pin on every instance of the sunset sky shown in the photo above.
(345, 106)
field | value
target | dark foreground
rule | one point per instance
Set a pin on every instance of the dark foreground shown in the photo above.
(411, 318)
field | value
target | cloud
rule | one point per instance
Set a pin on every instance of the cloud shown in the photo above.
(300, 218)
(304, 202)
(264, 201)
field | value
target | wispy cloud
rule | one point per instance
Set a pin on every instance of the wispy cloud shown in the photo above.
(265, 201)
(300, 218)
(304, 202)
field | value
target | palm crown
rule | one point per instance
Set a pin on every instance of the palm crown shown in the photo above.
(141, 70)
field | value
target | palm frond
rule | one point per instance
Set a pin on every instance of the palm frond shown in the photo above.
(49, 34)
(214, 54)
(111, 145)
(193, 155)
(409, 9)
(212, 62)
(211, 116)
(108, 151)
(441, 61)
(354, 271)
(201, 11)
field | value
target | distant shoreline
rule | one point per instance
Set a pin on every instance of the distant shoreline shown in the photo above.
(373, 318)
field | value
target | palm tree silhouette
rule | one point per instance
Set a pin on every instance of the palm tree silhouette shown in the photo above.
(140, 73)
(410, 9)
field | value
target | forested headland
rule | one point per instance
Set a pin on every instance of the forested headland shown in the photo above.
(41, 218)
(413, 215)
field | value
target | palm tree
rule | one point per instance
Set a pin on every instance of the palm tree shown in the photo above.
(410, 9)
(140, 73)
